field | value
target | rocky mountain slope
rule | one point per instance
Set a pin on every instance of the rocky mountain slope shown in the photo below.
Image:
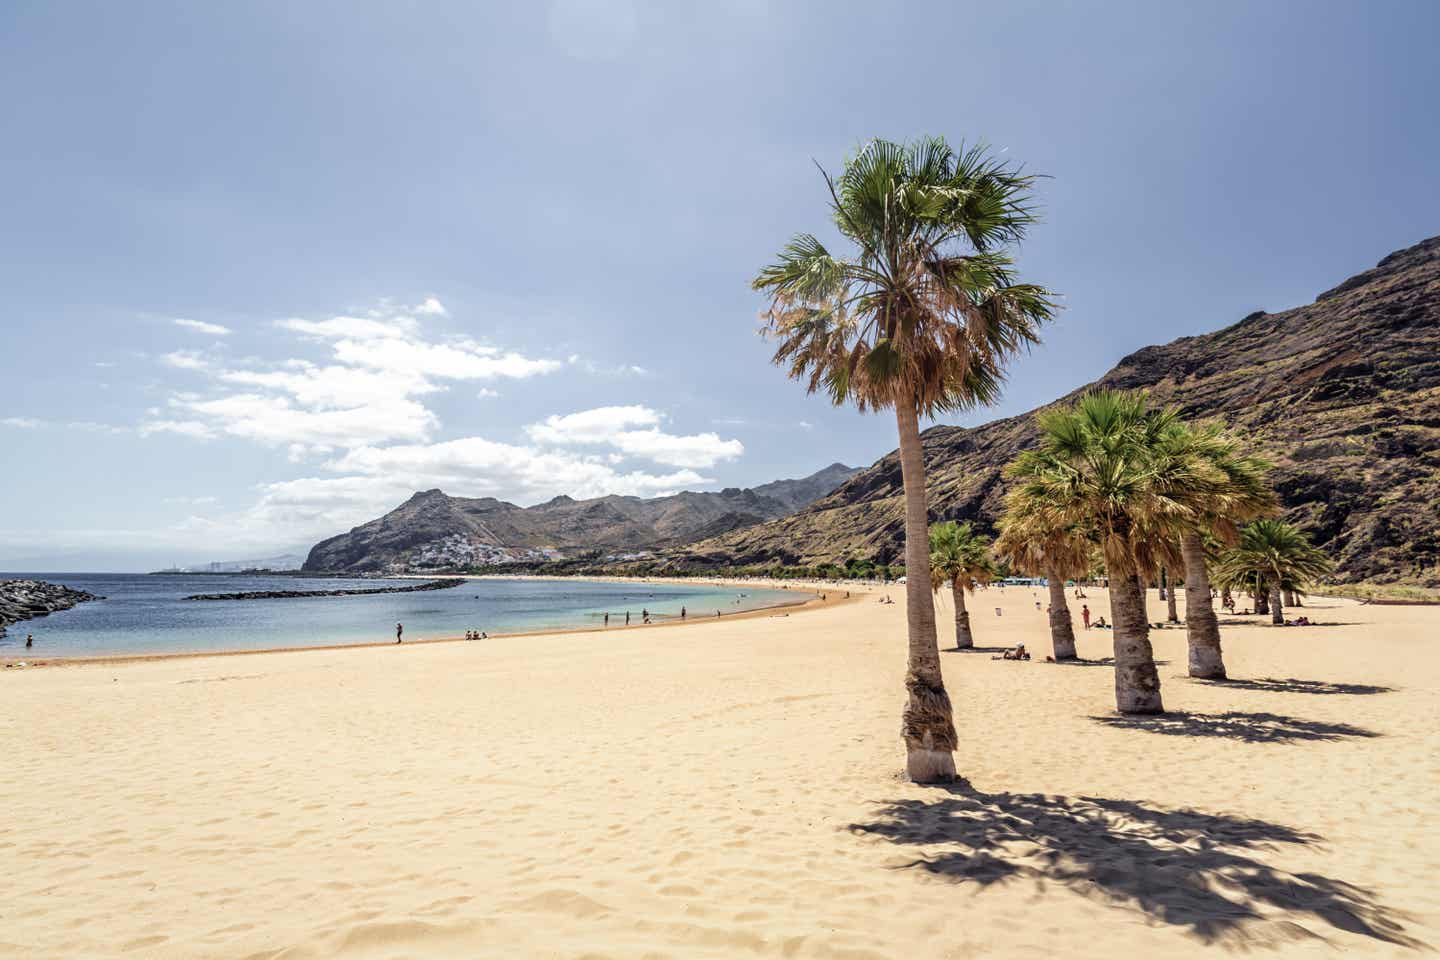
(1343, 394)
(432, 529)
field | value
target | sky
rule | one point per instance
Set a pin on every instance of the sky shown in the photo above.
(266, 268)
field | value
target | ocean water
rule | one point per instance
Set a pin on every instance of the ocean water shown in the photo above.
(148, 613)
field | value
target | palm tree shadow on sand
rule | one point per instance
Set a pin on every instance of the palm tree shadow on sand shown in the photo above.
(1248, 727)
(1292, 685)
(1181, 867)
(1101, 662)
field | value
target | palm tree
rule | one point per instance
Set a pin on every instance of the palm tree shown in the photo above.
(1274, 556)
(959, 557)
(1238, 493)
(1167, 583)
(920, 314)
(1099, 467)
(1056, 553)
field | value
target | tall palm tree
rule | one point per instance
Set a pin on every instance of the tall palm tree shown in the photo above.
(1167, 583)
(959, 557)
(1238, 494)
(920, 314)
(1274, 553)
(1099, 467)
(1034, 547)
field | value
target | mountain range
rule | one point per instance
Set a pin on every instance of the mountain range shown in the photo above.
(1342, 394)
(433, 529)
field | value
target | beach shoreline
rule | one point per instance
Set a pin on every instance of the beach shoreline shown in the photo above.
(797, 605)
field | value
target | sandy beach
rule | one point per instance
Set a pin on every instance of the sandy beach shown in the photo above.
(730, 789)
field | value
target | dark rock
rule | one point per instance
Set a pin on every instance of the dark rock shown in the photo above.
(28, 599)
(445, 584)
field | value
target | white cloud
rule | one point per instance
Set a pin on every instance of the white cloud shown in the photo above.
(332, 386)
(200, 326)
(475, 466)
(185, 428)
(352, 328)
(485, 393)
(617, 427)
(279, 421)
(30, 423)
(696, 450)
(621, 370)
(599, 425)
(381, 364)
(457, 361)
(185, 360)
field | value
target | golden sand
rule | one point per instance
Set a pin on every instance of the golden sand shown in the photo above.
(727, 790)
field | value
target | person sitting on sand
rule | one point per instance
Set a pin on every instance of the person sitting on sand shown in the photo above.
(1019, 653)
(1100, 624)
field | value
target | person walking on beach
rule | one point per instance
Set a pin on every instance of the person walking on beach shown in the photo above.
(399, 629)
(29, 640)
(1085, 614)
(607, 619)
(627, 618)
(682, 613)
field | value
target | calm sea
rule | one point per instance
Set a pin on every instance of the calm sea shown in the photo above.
(148, 614)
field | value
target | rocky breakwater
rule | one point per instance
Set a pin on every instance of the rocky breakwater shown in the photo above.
(27, 599)
(287, 594)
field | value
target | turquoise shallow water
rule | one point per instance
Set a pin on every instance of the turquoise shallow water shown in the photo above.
(148, 614)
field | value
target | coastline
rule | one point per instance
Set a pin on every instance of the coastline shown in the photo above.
(553, 793)
(811, 601)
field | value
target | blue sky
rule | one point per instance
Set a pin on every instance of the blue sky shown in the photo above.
(505, 248)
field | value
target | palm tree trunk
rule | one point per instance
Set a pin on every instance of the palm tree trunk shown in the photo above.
(1277, 611)
(1201, 626)
(1062, 631)
(963, 639)
(1172, 615)
(1137, 682)
(927, 725)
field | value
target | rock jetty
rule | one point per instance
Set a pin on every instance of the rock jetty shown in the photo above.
(286, 594)
(28, 599)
